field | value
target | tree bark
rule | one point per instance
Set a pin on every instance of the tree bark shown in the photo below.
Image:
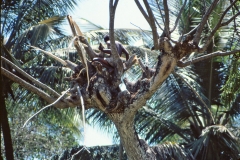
(135, 148)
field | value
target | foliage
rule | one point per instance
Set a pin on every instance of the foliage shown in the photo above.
(97, 152)
(49, 133)
(182, 110)
(25, 23)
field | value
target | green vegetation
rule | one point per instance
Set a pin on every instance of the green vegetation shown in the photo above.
(193, 113)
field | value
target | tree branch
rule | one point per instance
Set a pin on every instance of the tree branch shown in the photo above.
(179, 15)
(66, 63)
(152, 24)
(33, 89)
(203, 22)
(204, 57)
(5, 129)
(40, 84)
(190, 33)
(115, 55)
(160, 14)
(164, 67)
(166, 24)
(77, 32)
(230, 20)
(59, 98)
(112, 10)
(142, 11)
(218, 25)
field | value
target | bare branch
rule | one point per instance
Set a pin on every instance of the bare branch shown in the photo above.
(203, 22)
(32, 88)
(112, 10)
(51, 55)
(151, 22)
(192, 31)
(59, 98)
(142, 66)
(91, 53)
(50, 90)
(204, 57)
(230, 20)
(66, 63)
(236, 7)
(83, 58)
(71, 25)
(179, 15)
(77, 32)
(115, 55)
(166, 24)
(160, 11)
(218, 25)
(115, 4)
(98, 102)
(142, 11)
(164, 67)
(158, 25)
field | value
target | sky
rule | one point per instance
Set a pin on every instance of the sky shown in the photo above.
(96, 137)
(97, 12)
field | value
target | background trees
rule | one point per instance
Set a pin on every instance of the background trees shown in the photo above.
(181, 110)
(37, 23)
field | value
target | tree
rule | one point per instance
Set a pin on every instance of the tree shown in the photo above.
(103, 92)
(22, 24)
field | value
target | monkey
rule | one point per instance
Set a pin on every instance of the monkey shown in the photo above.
(108, 51)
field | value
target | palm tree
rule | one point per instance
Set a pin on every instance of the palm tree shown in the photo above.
(191, 120)
(178, 110)
(25, 23)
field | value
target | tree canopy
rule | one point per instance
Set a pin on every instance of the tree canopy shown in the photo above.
(168, 100)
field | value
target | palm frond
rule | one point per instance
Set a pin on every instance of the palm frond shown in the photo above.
(156, 127)
(133, 37)
(87, 26)
(170, 151)
(215, 142)
(98, 118)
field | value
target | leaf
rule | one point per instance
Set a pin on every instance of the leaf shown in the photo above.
(215, 142)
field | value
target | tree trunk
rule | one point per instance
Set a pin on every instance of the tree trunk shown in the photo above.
(120, 156)
(135, 148)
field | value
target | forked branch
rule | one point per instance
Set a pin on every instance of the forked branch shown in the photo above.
(218, 25)
(33, 80)
(33, 89)
(204, 22)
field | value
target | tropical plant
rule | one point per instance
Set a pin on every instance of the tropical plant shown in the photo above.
(25, 23)
(166, 102)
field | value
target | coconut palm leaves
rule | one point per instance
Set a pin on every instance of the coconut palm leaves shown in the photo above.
(179, 110)
(25, 23)
(215, 142)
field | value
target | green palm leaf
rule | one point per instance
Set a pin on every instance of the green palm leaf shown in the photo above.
(215, 142)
